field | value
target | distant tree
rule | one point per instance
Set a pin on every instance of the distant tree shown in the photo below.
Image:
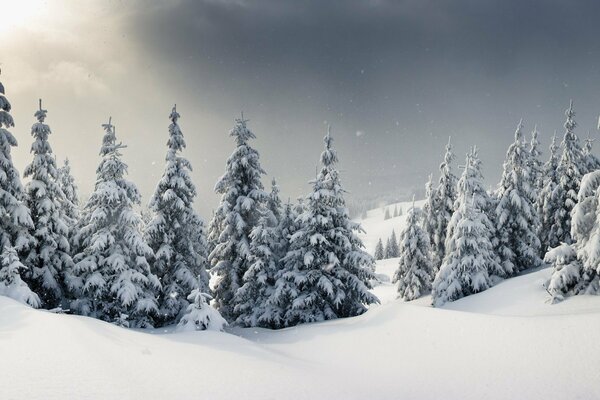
(590, 160)
(387, 214)
(379, 255)
(326, 272)
(392, 250)
(570, 170)
(111, 279)
(176, 232)
(395, 210)
(535, 164)
(516, 218)
(242, 200)
(69, 198)
(429, 219)
(415, 271)
(49, 257)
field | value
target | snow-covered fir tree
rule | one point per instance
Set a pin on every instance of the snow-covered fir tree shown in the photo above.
(577, 266)
(11, 283)
(471, 188)
(69, 198)
(176, 232)
(590, 160)
(446, 196)
(386, 215)
(391, 249)
(199, 315)
(516, 218)
(378, 253)
(429, 218)
(274, 203)
(415, 271)
(470, 254)
(535, 164)
(326, 272)
(547, 204)
(15, 220)
(242, 201)
(111, 279)
(570, 170)
(49, 257)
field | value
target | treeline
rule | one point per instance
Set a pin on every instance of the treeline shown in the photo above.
(274, 265)
(465, 239)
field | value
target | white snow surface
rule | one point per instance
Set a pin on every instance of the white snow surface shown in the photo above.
(504, 343)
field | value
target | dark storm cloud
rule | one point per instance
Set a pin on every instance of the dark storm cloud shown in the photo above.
(406, 74)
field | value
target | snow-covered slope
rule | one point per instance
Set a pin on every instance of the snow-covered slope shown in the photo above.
(505, 343)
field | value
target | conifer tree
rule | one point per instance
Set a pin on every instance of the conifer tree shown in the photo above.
(111, 279)
(395, 210)
(274, 203)
(590, 160)
(386, 216)
(392, 250)
(547, 204)
(199, 315)
(49, 257)
(415, 271)
(242, 200)
(69, 198)
(429, 218)
(535, 164)
(176, 232)
(446, 196)
(516, 218)
(570, 170)
(15, 220)
(379, 255)
(326, 273)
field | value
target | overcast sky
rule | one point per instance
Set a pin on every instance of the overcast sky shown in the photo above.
(393, 78)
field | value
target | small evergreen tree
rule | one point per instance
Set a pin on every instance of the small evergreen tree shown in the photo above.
(49, 258)
(516, 219)
(415, 271)
(176, 232)
(535, 164)
(326, 273)
(11, 284)
(111, 279)
(570, 171)
(387, 214)
(392, 250)
(199, 315)
(429, 218)
(242, 199)
(69, 198)
(379, 255)
(15, 220)
(547, 204)
(590, 160)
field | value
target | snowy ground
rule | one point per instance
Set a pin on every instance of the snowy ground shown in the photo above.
(505, 343)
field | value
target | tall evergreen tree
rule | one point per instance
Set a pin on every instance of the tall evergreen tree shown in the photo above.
(176, 232)
(570, 170)
(69, 198)
(274, 203)
(429, 218)
(378, 254)
(516, 218)
(535, 164)
(326, 273)
(111, 279)
(49, 257)
(415, 271)
(15, 219)
(547, 204)
(242, 201)
(446, 196)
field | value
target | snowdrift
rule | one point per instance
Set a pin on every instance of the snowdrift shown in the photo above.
(505, 343)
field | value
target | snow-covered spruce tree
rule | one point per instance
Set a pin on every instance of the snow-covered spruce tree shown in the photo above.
(111, 279)
(428, 220)
(326, 273)
(415, 271)
(49, 257)
(274, 203)
(15, 220)
(570, 170)
(378, 254)
(242, 201)
(547, 204)
(199, 315)
(446, 196)
(535, 164)
(386, 215)
(470, 187)
(470, 254)
(69, 198)
(391, 249)
(590, 160)
(176, 232)
(516, 218)
(11, 284)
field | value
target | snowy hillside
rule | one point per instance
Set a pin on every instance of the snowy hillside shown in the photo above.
(505, 343)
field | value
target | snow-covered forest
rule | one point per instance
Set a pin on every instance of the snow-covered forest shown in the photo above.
(260, 262)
